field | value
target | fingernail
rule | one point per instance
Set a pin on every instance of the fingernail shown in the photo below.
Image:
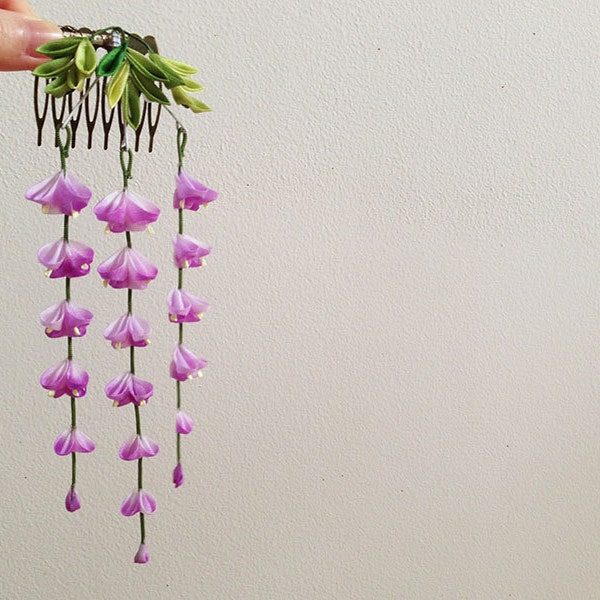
(39, 32)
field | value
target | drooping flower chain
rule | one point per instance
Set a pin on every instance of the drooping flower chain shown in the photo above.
(133, 74)
(183, 307)
(64, 194)
(126, 211)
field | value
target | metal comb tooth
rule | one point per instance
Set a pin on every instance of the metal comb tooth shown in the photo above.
(94, 103)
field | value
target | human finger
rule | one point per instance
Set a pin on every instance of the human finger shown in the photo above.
(20, 35)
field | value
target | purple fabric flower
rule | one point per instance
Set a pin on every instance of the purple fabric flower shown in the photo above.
(138, 501)
(185, 364)
(60, 195)
(184, 307)
(128, 388)
(183, 423)
(178, 475)
(126, 211)
(142, 556)
(189, 252)
(72, 502)
(138, 446)
(127, 269)
(128, 331)
(66, 259)
(65, 319)
(65, 378)
(73, 440)
(190, 193)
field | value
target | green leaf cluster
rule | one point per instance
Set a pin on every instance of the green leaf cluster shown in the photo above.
(73, 60)
(132, 75)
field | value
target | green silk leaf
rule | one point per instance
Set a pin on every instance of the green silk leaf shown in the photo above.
(85, 57)
(112, 61)
(54, 67)
(59, 48)
(116, 85)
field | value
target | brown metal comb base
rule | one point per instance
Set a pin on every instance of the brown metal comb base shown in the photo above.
(94, 101)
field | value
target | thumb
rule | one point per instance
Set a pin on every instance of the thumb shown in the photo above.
(20, 36)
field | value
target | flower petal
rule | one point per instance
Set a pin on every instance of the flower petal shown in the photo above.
(66, 259)
(127, 269)
(191, 193)
(128, 388)
(185, 364)
(138, 446)
(73, 441)
(126, 211)
(60, 194)
(188, 251)
(127, 331)
(185, 307)
(183, 423)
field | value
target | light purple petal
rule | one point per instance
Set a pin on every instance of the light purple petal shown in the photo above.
(66, 259)
(127, 269)
(188, 251)
(73, 440)
(191, 193)
(185, 364)
(142, 556)
(183, 423)
(138, 501)
(185, 307)
(128, 388)
(65, 319)
(60, 194)
(72, 502)
(126, 211)
(65, 377)
(138, 446)
(127, 331)
(178, 475)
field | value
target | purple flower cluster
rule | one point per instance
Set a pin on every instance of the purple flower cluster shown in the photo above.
(184, 307)
(127, 212)
(63, 194)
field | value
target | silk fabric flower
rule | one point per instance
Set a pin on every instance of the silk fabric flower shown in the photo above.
(138, 446)
(127, 269)
(73, 440)
(60, 194)
(142, 556)
(183, 423)
(190, 193)
(128, 389)
(72, 502)
(185, 307)
(185, 364)
(65, 377)
(127, 331)
(178, 475)
(188, 252)
(65, 319)
(138, 501)
(126, 211)
(66, 259)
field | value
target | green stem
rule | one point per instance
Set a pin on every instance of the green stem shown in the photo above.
(143, 528)
(126, 166)
(63, 148)
(73, 454)
(181, 144)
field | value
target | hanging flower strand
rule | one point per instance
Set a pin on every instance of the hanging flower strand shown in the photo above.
(183, 307)
(137, 84)
(64, 194)
(125, 212)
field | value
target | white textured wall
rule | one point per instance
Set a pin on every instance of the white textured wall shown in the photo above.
(402, 400)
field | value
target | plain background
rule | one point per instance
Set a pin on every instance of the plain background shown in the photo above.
(402, 396)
